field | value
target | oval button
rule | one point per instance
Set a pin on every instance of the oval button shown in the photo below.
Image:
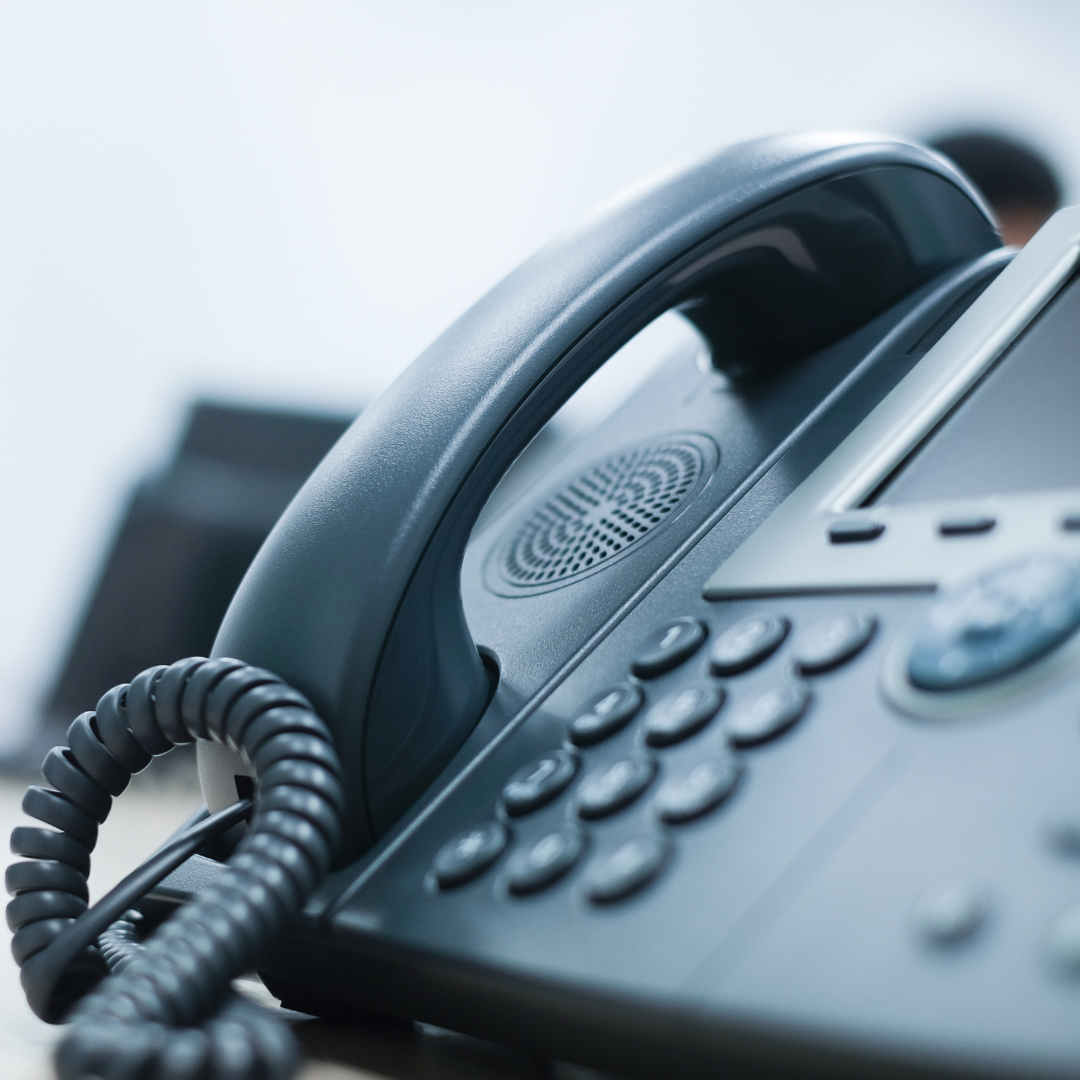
(701, 788)
(469, 854)
(545, 861)
(748, 643)
(538, 783)
(682, 714)
(668, 647)
(614, 786)
(608, 713)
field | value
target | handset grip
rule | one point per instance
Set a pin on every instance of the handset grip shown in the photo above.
(773, 248)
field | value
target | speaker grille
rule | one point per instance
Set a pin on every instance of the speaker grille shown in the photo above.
(599, 516)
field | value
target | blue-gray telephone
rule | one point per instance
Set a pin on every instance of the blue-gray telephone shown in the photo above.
(747, 739)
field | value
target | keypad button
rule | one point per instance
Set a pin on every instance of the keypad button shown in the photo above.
(668, 647)
(469, 854)
(855, 531)
(949, 915)
(612, 787)
(832, 642)
(538, 783)
(697, 790)
(608, 713)
(767, 715)
(682, 714)
(546, 860)
(748, 643)
(631, 866)
(996, 624)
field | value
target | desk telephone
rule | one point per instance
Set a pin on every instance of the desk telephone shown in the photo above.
(748, 738)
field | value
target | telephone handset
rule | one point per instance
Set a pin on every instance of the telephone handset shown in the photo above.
(618, 782)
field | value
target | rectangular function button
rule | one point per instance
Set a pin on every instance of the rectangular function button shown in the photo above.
(855, 531)
(966, 525)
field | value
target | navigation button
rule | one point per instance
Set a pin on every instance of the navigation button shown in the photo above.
(996, 624)
(768, 715)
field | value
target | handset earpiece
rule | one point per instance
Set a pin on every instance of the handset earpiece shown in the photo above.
(773, 248)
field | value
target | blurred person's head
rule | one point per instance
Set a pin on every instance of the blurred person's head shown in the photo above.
(1020, 185)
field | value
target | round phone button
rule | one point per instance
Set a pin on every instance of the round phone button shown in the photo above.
(949, 915)
(768, 715)
(469, 854)
(668, 647)
(631, 866)
(699, 789)
(682, 713)
(612, 787)
(608, 712)
(546, 860)
(832, 642)
(996, 625)
(538, 783)
(748, 643)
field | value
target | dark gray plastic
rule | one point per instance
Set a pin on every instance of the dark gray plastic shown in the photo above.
(774, 248)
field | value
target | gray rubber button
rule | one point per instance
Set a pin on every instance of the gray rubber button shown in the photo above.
(469, 854)
(767, 715)
(832, 642)
(697, 790)
(546, 860)
(748, 643)
(682, 713)
(949, 914)
(630, 867)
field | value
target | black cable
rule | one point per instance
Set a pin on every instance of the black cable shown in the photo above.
(141, 1021)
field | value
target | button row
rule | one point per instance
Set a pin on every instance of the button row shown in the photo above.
(633, 864)
(863, 530)
(825, 645)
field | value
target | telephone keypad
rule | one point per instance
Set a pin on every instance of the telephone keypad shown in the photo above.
(631, 866)
(609, 712)
(693, 792)
(748, 643)
(469, 854)
(545, 861)
(613, 787)
(538, 783)
(668, 647)
(832, 642)
(682, 713)
(767, 715)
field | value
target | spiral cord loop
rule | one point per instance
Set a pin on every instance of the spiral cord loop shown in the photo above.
(142, 1020)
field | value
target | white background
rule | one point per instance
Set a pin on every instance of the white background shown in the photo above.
(284, 202)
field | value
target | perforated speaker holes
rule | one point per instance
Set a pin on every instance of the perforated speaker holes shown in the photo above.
(600, 516)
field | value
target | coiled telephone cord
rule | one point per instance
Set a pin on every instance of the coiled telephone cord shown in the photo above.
(144, 1019)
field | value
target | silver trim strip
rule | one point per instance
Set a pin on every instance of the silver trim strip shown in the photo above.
(790, 551)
